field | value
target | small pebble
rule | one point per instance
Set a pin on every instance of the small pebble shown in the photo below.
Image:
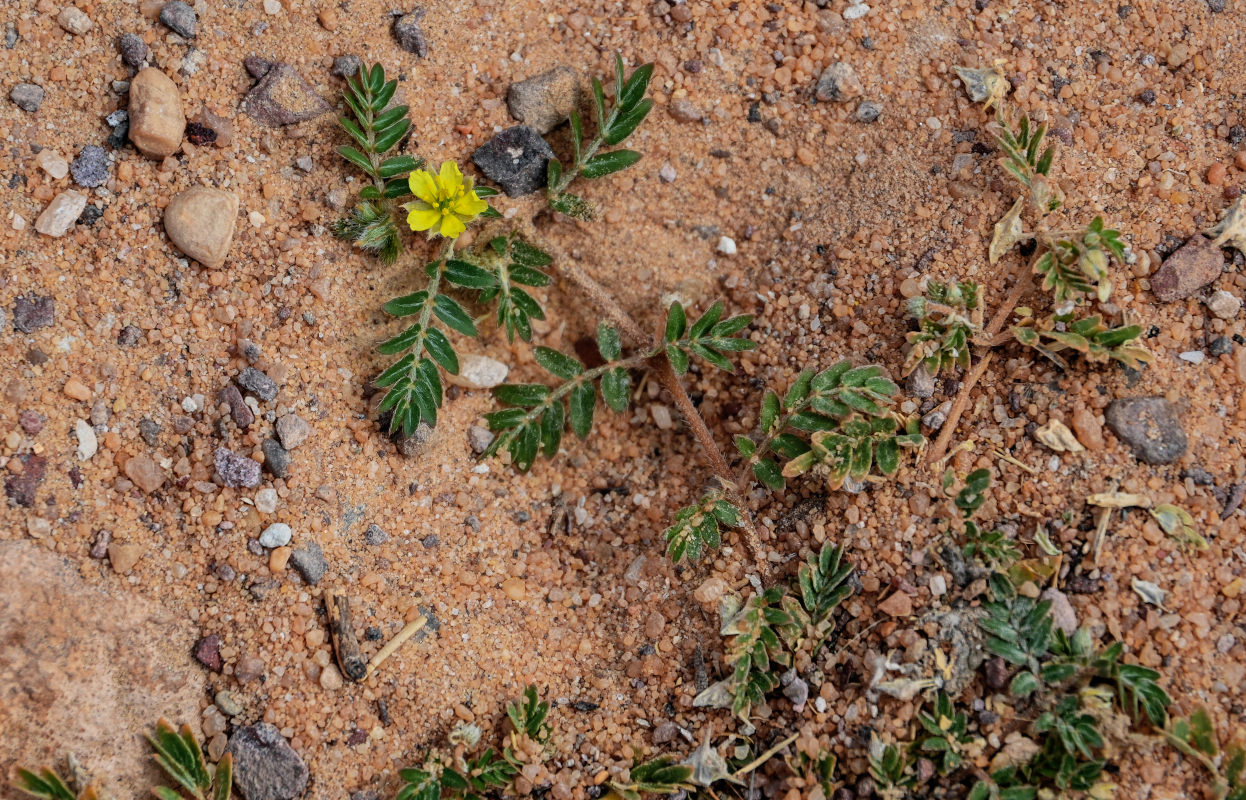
(278, 534)
(61, 213)
(87, 442)
(134, 51)
(478, 372)
(266, 501)
(73, 20)
(52, 163)
(27, 96)
(374, 535)
(1192, 356)
(347, 66)
(726, 246)
(180, 18)
(667, 173)
(236, 471)
(409, 34)
(1224, 305)
(90, 168)
(292, 430)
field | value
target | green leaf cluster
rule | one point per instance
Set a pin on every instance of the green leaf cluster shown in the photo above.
(992, 548)
(823, 582)
(1196, 737)
(614, 124)
(661, 775)
(699, 527)
(889, 768)
(949, 317)
(48, 785)
(179, 755)
(834, 402)
(1078, 265)
(756, 652)
(1027, 160)
(509, 263)
(948, 733)
(529, 716)
(375, 130)
(1088, 336)
(538, 415)
(710, 338)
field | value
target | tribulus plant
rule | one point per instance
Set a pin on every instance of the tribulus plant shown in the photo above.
(949, 316)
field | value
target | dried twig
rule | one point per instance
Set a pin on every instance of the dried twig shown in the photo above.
(410, 629)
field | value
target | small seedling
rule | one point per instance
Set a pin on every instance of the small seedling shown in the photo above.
(948, 734)
(890, 769)
(949, 316)
(661, 775)
(1196, 737)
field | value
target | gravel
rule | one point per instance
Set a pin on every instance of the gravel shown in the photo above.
(1150, 426)
(134, 51)
(265, 766)
(310, 562)
(180, 18)
(409, 34)
(257, 383)
(515, 159)
(27, 96)
(278, 534)
(236, 471)
(347, 66)
(90, 168)
(32, 312)
(276, 458)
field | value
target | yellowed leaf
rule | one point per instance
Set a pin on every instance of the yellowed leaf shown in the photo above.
(1008, 231)
(1056, 435)
(1232, 229)
(1119, 500)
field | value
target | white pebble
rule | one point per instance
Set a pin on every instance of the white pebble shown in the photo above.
(53, 163)
(19, 222)
(938, 586)
(661, 416)
(1223, 304)
(726, 246)
(667, 173)
(87, 443)
(276, 535)
(256, 219)
(266, 501)
(856, 11)
(272, 6)
(189, 405)
(1193, 356)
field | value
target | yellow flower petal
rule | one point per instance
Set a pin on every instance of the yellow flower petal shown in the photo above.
(451, 227)
(469, 205)
(451, 179)
(421, 219)
(423, 186)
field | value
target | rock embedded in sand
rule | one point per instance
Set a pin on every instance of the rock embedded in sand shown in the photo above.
(898, 604)
(283, 97)
(478, 372)
(236, 471)
(74, 21)
(61, 213)
(409, 34)
(1150, 426)
(124, 557)
(545, 101)
(276, 535)
(134, 51)
(32, 312)
(27, 96)
(292, 430)
(516, 159)
(265, 766)
(157, 121)
(200, 222)
(145, 473)
(180, 18)
(1192, 266)
(838, 83)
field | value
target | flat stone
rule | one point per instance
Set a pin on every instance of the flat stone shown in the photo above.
(1195, 264)
(898, 604)
(478, 372)
(52, 163)
(265, 766)
(134, 51)
(283, 97)
(236, 471)
(124, 557)
(682, 109)
(27, 96)
(838, 83)
(1062, 613)
(292, 430)
(257, 383)
(347, 66)
(310, 563)
(157, 121)
(1150, 426)
(32, 312)
(180, 18)
(545, 101)
(208, 652)
(61, 213)
(516, 159)
(241, 413)
(200, 222)
(1224, 305)
(375, 535)
(74, 20)
(409, 34)
(88, 443)
(479, 439)
(276, 535)
(145, 473)
(276, 458)
(90, 168)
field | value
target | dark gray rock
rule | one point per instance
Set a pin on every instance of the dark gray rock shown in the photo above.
(236, 471)
(134, 51)
(1220, 346)
(180, 18)
(265, 766)
(920, 383)
(32, 312)
(22, 487)
(149, 430)
(241, 413)
(276, 458)
(27, 96)
(347, 66)
(129, 336)
(90, 168)
(256, 67)
(409, 34)
(1195, 264)
(283, 97)
(257, 383)
(1150, 426)
(515, 159)
(310, 563)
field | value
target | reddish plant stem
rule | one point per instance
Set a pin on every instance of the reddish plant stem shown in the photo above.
(991, 337)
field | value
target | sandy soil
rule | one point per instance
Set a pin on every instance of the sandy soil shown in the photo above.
(831, 216)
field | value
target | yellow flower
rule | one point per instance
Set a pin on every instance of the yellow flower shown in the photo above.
(444, 203)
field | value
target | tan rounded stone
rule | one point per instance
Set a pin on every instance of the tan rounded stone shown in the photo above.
(200, 222)
(157, 121)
